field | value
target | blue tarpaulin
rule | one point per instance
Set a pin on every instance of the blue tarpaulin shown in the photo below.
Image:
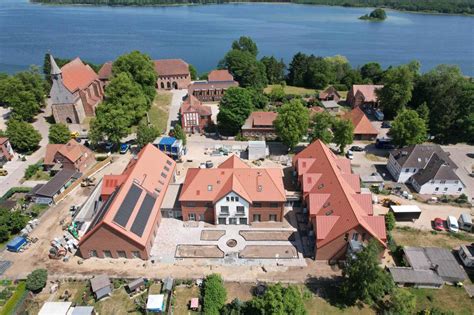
(15, 244)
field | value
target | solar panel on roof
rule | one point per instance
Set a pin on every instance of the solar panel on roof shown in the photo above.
(143, 215)
(126, 208)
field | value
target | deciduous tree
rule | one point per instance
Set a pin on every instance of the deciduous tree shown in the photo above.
(245, 68)
(274, 69)
(36, 280)
(372, 71)
(245, 43)
(292, 122)
(408, 128)
(278, 300)
(402, 302)
(234, 108)
(59, 133)
(214, 294)
(179, 133)
(343, 133)
(321, 127)
(146, 134)
(23, 137)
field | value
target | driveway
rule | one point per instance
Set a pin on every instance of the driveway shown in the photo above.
(176, 101)
(463, 156)
(16, 168)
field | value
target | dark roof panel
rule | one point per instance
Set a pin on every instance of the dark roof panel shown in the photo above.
(144, 212)
(127, 206)
(51, 188)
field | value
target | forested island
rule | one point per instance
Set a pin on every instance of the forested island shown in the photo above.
(377, 15)
(432, 6)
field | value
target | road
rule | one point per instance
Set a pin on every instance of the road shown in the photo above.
(176, 102)
(16, 168)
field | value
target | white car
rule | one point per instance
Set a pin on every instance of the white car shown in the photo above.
(452, 224)
(349, 155)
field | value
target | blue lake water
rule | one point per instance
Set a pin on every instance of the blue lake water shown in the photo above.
(202, 34)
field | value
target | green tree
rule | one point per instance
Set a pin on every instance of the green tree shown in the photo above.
(259, 99)
(245, 43)
(408, 128)
(319, 73)
(274, 69)
(179, 133)
(31, 170)
(141, 69)
(59, 133)
(16, 221)
(24, 106)
(193, 72)
(364, 280)
(424, 112)
(402, 302)
(36, 280)
(376, 15)
(321, 127)
(245, 68)
(277, 93)
(372, 71)
(278, 300)
(4, 233)
(214, 294)
(390, 221)
(397, 91)
(23, 137)
(292, 122)
(297, 69)
(234, 108)
(343, 133)
(146, 134)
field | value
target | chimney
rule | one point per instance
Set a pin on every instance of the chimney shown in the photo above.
(259, 183)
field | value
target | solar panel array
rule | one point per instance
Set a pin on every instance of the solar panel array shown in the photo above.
(126, 208)
(143, 215)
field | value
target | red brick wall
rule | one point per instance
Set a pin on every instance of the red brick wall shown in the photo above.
(200, 208)
(265, 211)
(182, 82)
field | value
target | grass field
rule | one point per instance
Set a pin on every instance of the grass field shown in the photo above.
(12, 302)
(292, 90)
(414, 237)
(159, 110)
(119, 303)
(448, 298)
(183, 295)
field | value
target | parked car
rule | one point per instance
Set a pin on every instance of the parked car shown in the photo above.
(109, 146)
(384, 143)
(124, 147)
(452, 224)
(209, 164)
(379, 115)
(386, 124)
(439, 224)
(465, 222)
(356, 148)
(349, 155)
(3, 172)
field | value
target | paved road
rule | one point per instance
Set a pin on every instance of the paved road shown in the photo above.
(16, 168)
(176, 102)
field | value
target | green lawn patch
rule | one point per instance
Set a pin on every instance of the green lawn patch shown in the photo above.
(182, 296)
(295, 90)
(449, 298)
(13, 301)
(159, 111)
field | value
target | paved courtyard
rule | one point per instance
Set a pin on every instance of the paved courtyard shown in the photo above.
(179, 242)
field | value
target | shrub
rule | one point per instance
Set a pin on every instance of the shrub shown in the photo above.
(461, 199)
(32, 170)
(36, 280)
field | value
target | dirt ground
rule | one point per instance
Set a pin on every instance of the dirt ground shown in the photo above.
(198, 251)
(242, 291)
(212, 235)
(271, 251)
(267, 235)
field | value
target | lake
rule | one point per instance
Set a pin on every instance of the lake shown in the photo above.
(202, 34)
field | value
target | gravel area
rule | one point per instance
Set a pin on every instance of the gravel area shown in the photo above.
(198, 251)
(211, 235)
(269, 252)
(268, 235)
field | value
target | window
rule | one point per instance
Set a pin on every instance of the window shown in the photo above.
(363, 236)
(243, 221)
(121, 254)
(190, 204)
(460, 189)
(407, 170)
(236, 198)
(107, 254)
(221, 221)
(201, 217)
(225, 209)
(192, 217)
(231, 198)
(273, 205)
(256, 217)
(240, 210)
(443, 182)
(257, 205)
(135, 254)
(273, 217)
(445, 188)
(209, 187)
(93, 253)
(437, 188)
(167, 168)
(355, 236)
(456, 181)
(227, 198)
(208, 204)
(163, 174)
(232, 220)
(346, 236)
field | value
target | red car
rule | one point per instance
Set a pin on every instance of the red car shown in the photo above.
(439, 224)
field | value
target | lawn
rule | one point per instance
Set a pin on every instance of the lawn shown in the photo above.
(317, 305)
(119, 303)
(292, 90)
(448, 298)
(159, 111)
(413, 237)
(182, 296)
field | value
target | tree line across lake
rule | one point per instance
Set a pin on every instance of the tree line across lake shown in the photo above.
(437, 6)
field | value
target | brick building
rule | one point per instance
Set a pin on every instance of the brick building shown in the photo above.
(330, 94)
(75, 92)
(259, 125)
(212, 90)
(126, 223)
(233, 193)
(71, 155)
(172, 74)
(363, 95)
(194, 116)
(338, 212)
(363, 128)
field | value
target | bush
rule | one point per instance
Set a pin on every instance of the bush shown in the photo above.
(461, 199)
(32, 170)
(214, 294)
(36, 280)
(390, 221)
(239, 137)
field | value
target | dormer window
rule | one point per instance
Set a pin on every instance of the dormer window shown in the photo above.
(259, 188)
(329, 212)
(321, 186)
(209, 187)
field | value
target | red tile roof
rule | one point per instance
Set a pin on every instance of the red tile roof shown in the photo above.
(219, 75)
(367, 90)
(145, 171)
(330, 90)
(105, 71)
(165, 67)
(252, 184)
(77, 75)
(362, 124)
(72, 150)
(332, 193)
(263, 119)
(192, 104)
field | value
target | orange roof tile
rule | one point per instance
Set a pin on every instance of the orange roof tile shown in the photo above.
(219, 75)
(166, 67)
(72, 150)
(77, 75)
(367, 90)
(192, 104)
(262, 118)
(252, 184)
(105, 71)
(362, 124)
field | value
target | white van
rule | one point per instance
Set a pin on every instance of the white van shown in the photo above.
(452, 223)
(465, 222)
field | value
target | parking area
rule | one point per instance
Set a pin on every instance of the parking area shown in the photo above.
(463, 156)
